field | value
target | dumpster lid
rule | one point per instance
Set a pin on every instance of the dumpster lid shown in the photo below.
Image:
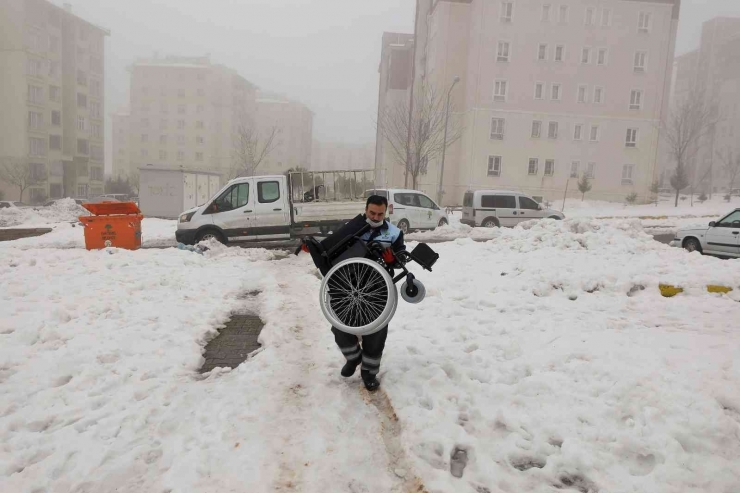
(112, 208)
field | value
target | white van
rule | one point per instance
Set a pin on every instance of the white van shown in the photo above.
(497, 208)
(411, 209)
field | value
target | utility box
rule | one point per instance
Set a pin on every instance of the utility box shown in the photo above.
(167, 192)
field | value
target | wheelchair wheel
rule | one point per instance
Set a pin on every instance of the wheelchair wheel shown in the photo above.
(358, 296)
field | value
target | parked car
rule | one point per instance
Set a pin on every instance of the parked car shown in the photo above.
(497, 208)
(8, 204)
(266, 208)
(52, 202)
(720, 238)
(411, 209)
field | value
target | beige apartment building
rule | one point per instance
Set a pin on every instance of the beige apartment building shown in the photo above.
(336, 156)
(548, 91)
(293, 139)
(713, 72)
(52, 99)
(184, 112)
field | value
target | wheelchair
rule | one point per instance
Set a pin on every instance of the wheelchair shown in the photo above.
(358, 292)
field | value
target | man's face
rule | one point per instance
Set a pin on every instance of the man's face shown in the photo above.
(375, 212)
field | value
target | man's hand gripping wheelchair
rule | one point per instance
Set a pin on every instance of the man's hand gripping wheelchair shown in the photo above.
(358, 293)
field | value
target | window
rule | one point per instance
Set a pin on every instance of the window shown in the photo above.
(164, 109)
(144, 153)
(635, 99)
(81, 78)
(586, 55)
(591, 170)
(640, 61)
(96, 153)
(497, 201)
(590, 13)
(35, 119)
(36, 146)
(574, 169)
(577, 131)
(163, 140)
(145, 122)
(181, 93)
(549, 167)
(145, 137)
(53, 69)
(35, 67)
(494, 165)
(631, 140)
(180, 155)
(594, 133)
(145, 107)
(499, 91)
(507, 10)
(234, 198)
(55, 94)
(201, 92)
(199, 124)
(82, 147)
(199, 140)
(95, 109)
(96, 174)
(56, 118)
(528, 204)
(598, 95)
(503, 51)
(424, 201)
(162, 155)
(55, 142)
(727, 221)
(555, 92)
(268, 192)
(180, 140)
(96, 129)
(180, 124)
(199, 109)
(563, 15)
(582, 93)
(96, 88)
(627, 171)
(601, 56)
(35, 94)
(96, 65)
(54, 44)
(539, 89)
(606, 17)
(497, 128)
(542, 52)
(552, 130)
(533, 165)
(559, 53)
(199, 156)
(545, 13)
(81, 123)
(82, 190)
(81, 100)
(536, 129)
(163, 124)
(643, 23)
(180, 109)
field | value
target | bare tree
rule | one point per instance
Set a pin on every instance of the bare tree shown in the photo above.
(731, 167)
(416, 136)
(17, 171)
(133, 181)
(251, 149)
(687, 123)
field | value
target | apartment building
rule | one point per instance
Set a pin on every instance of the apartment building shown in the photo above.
(335, 156)
(52, 99)
(184, 112)
(712, 71)
(395, 82)
(293, 140)
(548, 91)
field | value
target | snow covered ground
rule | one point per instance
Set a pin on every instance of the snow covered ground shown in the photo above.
(546, 353)
(65, 210)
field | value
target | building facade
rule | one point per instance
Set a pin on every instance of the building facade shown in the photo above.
(338, 156)
(293, 124)
(548, 92)
(712, 71)
(184, 113)
(52, 99)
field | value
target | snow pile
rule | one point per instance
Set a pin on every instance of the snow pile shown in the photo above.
(63, 210)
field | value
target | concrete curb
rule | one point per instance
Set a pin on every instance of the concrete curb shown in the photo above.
(669, 291)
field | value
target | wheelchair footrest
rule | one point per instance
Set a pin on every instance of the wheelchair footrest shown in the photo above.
(424, 256)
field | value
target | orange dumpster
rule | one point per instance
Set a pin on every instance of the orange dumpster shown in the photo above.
(113, 224)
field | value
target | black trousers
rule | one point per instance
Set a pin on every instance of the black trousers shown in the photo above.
(369, 351)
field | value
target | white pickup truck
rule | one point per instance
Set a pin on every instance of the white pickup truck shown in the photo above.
(276, 207)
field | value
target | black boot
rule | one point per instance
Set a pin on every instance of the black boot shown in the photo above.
(349, 368)
(371, 382)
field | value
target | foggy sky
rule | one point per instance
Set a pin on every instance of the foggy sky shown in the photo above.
(324, 53)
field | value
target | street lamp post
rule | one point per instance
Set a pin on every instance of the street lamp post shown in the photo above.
(444, 142)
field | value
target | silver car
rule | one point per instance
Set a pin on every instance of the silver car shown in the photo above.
(720, 238)
(497, 208)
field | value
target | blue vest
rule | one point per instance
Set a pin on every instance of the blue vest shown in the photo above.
(388, 234)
